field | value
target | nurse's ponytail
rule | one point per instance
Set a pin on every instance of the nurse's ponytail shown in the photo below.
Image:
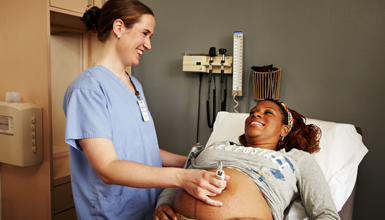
(90, 19)
(101, 20)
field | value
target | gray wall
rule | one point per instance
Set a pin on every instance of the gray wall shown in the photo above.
(332, 56)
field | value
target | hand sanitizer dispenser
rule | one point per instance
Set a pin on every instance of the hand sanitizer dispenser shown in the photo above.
(21, 133)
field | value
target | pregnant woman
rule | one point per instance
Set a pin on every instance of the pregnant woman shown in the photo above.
(271, 168)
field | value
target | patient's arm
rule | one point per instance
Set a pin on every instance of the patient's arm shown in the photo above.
(167, 196)
(315, 192)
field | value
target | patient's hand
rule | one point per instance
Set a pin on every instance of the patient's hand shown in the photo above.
(164, 212)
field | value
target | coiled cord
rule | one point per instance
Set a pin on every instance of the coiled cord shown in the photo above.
(235, 102)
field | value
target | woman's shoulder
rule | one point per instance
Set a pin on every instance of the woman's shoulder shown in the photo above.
(301, 158)
(222, 142)
(216, 144)
(91, 79)
(299, 155)
(298, 152)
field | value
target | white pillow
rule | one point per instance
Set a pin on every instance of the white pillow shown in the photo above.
(341, 150)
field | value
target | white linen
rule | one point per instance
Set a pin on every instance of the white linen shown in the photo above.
(341, 151)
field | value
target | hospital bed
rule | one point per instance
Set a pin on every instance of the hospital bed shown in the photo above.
(341, 152)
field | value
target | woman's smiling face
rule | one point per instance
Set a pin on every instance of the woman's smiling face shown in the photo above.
(264, 125)
(134, 41)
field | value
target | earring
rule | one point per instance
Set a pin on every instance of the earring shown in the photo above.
(281, 138)
(118, 36)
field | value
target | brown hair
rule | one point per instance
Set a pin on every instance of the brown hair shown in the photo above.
(101, 20)
(302, 136)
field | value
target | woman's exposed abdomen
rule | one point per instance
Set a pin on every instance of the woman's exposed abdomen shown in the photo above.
(241, 199)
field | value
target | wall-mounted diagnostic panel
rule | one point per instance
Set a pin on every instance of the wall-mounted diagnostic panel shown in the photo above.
(21, 134)
(200, 63)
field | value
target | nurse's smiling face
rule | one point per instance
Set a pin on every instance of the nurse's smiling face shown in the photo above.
(135, 40)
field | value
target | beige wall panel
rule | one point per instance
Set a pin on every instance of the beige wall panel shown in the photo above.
(72, 5)
(66, 65)
(24, 61)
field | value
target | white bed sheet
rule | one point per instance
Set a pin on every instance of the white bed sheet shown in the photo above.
(341, 152)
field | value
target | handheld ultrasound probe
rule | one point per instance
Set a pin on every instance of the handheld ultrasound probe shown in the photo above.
(220, 174)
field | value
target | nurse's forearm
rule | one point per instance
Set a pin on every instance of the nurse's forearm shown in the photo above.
(128, 173)
(102, 156)
(172, 160)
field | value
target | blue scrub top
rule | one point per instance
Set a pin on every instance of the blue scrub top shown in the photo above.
(98, 104)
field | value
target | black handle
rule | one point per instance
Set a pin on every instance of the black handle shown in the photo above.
(214, 106)
(208, 113)
(222, 51)
(212, 51)
(209, 123)
(223, 103)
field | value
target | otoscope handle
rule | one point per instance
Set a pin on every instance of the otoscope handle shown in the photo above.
(222, 75)
(212, 51)
(211, 54)
(223, 103)
(214, 103)
(222, 51)
(209, 122)
(210, 74)
(208, 113)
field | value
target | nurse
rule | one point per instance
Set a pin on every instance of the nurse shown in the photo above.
(115, 160)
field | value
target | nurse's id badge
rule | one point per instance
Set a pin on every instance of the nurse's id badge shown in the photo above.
(143, 110)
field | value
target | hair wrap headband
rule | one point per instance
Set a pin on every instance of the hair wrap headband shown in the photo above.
(290, 119)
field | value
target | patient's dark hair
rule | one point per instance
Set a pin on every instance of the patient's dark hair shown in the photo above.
(302, 136)
(101, 20)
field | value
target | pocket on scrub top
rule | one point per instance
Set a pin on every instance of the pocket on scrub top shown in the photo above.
(113, 206)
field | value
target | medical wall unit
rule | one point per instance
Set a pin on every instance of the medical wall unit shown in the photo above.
(21, 138)
(210, 63)
(200, 62)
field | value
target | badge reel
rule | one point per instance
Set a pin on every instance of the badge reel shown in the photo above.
(220, 174)
(141, 104)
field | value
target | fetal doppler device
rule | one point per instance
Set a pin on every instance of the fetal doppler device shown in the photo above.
(220, 174)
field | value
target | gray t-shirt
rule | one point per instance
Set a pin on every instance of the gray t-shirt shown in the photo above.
(280, 176)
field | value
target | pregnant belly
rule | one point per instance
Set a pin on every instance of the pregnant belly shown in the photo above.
(241, 199)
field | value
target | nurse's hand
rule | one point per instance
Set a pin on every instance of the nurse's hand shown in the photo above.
(201, 184)
(164, 212)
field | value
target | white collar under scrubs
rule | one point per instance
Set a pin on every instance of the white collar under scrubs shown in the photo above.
(98, 104)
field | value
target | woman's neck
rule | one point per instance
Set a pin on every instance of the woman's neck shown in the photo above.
(268, 146)
(110, 59)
